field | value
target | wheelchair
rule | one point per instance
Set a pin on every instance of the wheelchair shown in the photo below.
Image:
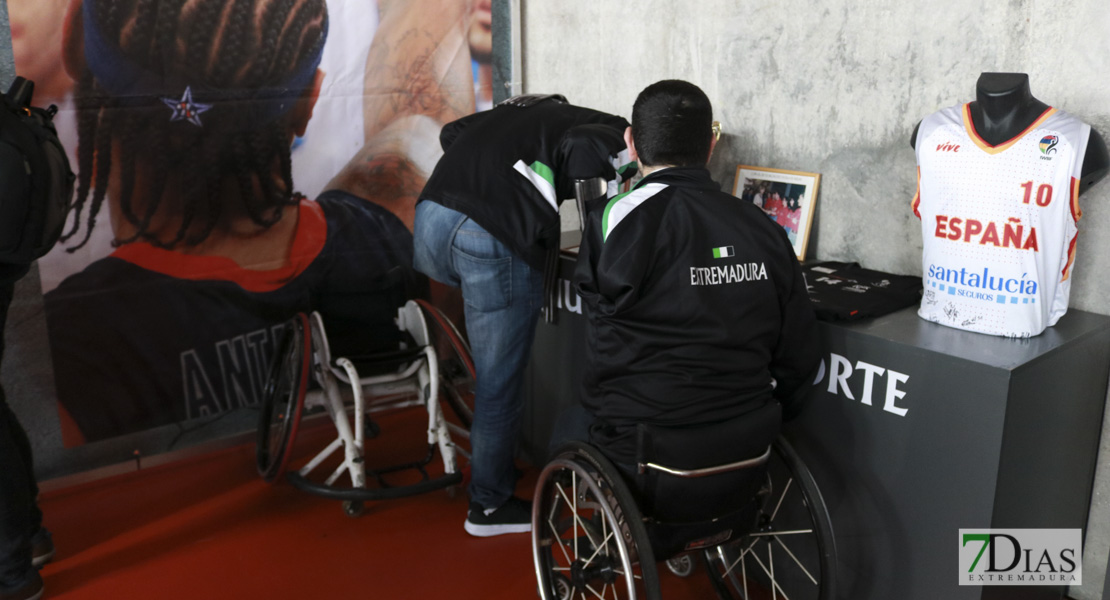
(429, 367)
(754, 519)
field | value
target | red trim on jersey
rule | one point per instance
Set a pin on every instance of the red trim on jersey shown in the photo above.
(969, 125)
(1071, 258)
(917, 196)
(1076, 211)
(312, 232)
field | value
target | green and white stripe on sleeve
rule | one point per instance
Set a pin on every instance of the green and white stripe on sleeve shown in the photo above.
(542, 177)
(621, 206)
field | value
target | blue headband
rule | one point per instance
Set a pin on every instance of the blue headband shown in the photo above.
(133, 85)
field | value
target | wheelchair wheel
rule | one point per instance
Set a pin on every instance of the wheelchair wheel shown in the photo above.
(587, 532)
(283, 399)
(456, 367)
(791, 552)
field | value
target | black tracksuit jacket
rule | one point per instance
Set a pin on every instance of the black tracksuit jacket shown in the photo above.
(508, 169)
(695, 304)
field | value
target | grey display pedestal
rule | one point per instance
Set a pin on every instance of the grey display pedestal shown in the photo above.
(914, 432)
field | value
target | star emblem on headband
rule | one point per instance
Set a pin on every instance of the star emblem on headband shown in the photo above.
(185, 109)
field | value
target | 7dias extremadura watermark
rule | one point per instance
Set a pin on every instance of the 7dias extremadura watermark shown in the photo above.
(1021, 557)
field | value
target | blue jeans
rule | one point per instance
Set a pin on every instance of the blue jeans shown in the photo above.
(502, 299)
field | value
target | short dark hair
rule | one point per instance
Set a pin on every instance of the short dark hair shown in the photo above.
(672, 124)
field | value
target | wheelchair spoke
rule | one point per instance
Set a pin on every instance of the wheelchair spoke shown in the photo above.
(796, 561)
(635, 577)
(559, 541)
(771, 561)
(573, 509)
(578, 522)
(594, 592)
(623, 574)
(600, 547)
(785, 489)
(744, 574)
(760, 534)
(774, 584)
(739, 558)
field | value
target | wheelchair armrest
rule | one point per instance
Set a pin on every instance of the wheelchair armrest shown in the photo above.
(735, 466)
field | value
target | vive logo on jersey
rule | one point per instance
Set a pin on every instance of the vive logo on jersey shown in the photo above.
(948, 147)
(1048, 144)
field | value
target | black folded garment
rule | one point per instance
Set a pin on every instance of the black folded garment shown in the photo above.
(845, 291)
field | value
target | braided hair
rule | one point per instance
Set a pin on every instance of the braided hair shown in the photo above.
(238, 53)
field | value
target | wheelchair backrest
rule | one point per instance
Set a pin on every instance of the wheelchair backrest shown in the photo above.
(681, 509)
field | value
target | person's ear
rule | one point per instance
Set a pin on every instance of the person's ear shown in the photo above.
(73, 40)
(303, 113)
(628, 141)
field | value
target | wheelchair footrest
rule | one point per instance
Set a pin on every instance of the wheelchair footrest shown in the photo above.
(446, 480)
(418, 466)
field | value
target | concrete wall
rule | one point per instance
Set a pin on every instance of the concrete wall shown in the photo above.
(836, 88)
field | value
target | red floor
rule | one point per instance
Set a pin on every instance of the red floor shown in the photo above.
(208, 527)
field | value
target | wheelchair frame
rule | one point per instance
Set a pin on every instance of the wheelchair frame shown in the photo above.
(416, 380)
(590, 539)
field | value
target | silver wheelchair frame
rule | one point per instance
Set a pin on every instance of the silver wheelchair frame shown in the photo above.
(413, 378)
(591, 541)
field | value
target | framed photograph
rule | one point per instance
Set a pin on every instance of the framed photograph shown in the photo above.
(788, 198)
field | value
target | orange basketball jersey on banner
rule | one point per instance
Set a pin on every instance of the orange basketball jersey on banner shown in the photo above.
(998, 223)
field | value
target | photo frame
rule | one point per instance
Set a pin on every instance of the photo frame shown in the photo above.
(787, 197)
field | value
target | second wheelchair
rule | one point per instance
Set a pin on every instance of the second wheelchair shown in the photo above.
(430, 367)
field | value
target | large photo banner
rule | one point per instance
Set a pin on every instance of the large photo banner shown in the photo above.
(238, 161)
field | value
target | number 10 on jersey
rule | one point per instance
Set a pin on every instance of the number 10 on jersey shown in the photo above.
(1044, 193)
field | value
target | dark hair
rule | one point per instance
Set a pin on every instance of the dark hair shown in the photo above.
(672, 124)
(232, 51)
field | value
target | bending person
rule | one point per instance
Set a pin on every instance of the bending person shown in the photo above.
(488, 222)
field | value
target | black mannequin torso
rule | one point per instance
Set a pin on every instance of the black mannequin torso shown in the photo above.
(1004, 107)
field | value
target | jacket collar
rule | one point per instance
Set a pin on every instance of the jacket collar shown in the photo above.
(684, 176)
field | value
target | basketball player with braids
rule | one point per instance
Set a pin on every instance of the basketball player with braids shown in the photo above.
(187, 109)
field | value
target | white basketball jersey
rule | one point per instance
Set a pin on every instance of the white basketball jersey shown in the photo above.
(998, 223)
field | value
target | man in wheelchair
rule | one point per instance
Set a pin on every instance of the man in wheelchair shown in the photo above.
(700, 339)
(697, 310)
